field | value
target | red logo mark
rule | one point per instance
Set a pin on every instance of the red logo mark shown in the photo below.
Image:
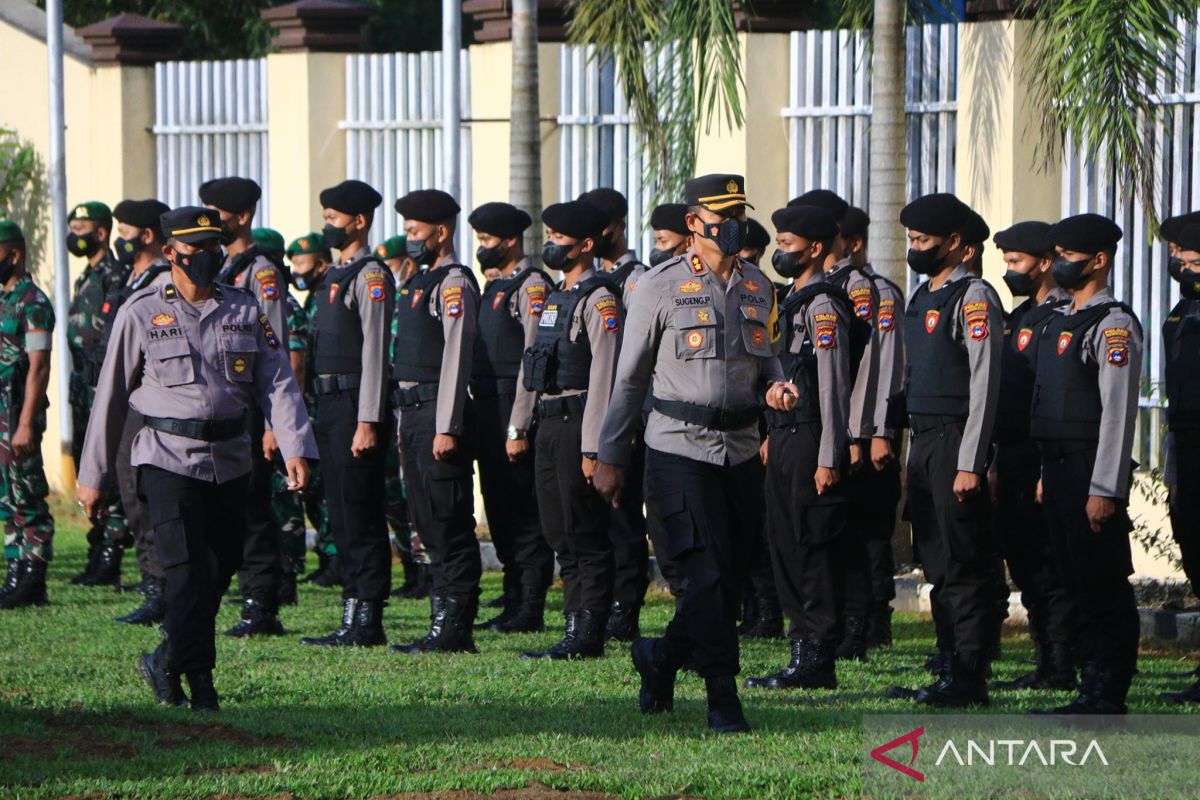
(910, 738)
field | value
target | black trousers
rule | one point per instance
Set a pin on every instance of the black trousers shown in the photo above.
(1185, 504)
(137, 515)
(808, 536)
(1095, 566)
(199, 528)
(627, 533)
(441, 501)
(262, 549)
(955, 540)
(712, 524)
(355, 496)
(510, 500)
(871, 573)
(1024, 540)
(575, 518)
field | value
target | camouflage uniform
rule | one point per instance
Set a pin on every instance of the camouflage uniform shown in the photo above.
(26, 325)
(406, 540)
(313, 496)
(286, 504)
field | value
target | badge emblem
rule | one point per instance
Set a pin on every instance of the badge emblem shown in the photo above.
(417, 295)
(497, 300)
(162, 320)
(931, 320)
(333, 287)
(203, 221)
(1024, 337)
(1064, 341)
(887, 320)
(758, 338)
(239, 365)
(731, 187)
(690, 287)
(695, 339)
(750, 285)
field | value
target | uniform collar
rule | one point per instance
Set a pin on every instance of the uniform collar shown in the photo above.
(957, 274)
(446, 260)
(1054, 295)
(1103, 296)
(630, 256)
(21, 285)
(818, 277)
(521, 268)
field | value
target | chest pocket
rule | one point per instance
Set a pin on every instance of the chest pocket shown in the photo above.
(170, 361)
(756, 337)
(239, 351)
(696, 332)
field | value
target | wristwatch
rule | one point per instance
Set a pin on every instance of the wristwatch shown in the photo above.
(514, 434)
(592, 456)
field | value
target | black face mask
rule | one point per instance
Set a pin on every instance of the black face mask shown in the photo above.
(335, 237)
(127, 249)
(556, 256)
(727, 234)
(81, 245)
(1019, 283)
(490, 257)
(7, 267)
(659, 256)
(1189, 282)
(604, 246)
(1069, 274)
(201, 267)
(227, 235)
(924, 262)
(418, 250)
(788, 265)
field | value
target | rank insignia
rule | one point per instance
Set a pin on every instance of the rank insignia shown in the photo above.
(695, 339)
(1024, 337)
(690, 287)
(931, 320)
(697, 265)
(750, 285)
(162, 320)
(1064, 341)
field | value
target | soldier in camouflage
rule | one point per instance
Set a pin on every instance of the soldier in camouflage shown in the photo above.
(26, 325)
(89, 237)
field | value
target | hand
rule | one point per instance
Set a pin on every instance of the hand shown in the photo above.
(588, 465)
(1099, 511)
(89, 498)
(762, 451)
(516, 449)
(609, 480)
(825, 478)
(298, 474)
(966, 484)
(23, 440)
(881, 452)
(1037, 494)
(782, 396)
(364, 439)
(856, 457)
(994, 484)
(444, 446)
(270, 446)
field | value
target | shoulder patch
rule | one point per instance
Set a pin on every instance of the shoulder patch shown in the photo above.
(268, 283)
(609, 314)
(825, 337)
(861, 295)
(452, 301)
(268, 331)
(376, 285)
(697, 265)
(537, 298)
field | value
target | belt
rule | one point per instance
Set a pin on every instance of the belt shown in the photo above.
(206, 430)
(569, 406)
(332, 384)
(787, 419)
(923, 423)
(1054, 449)
(416, 395)
(493, 387)
(717, 419)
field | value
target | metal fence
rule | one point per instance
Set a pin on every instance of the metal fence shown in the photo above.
(1140, 276)
(210, 121)
(393, 132)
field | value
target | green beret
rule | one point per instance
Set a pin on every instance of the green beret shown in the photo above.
(308, 244)
(268, 240)
(392, 248)
(93, 210)
(10, 232)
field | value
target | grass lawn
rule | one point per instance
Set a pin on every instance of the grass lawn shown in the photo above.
(75, 718)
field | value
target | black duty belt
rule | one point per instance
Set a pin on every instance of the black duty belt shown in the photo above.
(923, 423)
(569, 406)
(206, 430)
(416, 395)
(717, 419)
(332, 384)
(786, 419)
(493, 387)
(1055, 449)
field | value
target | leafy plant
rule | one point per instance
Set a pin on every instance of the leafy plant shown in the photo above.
(24, 192)
(1154, 538)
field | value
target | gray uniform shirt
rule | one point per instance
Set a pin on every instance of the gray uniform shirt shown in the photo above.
(169, 358)
(886, 349)
(824, 323)
(632, 277)
(526, 307)
(372, 298)
(264, 280)
(690, 338)
(861, 289)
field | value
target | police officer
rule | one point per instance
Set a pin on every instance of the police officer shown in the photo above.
(693, 340)
(570, 367)
(192, 358)
(1180, 337)
(353, 326)
(668, 223)
(1020, 523)
(758, 239)
(508, 323)
(952, 382)
(808, 451)
(139, 244)
(437, 314)
(1089, 364)
(90, 237)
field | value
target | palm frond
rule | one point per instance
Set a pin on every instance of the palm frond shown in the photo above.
(859, 15)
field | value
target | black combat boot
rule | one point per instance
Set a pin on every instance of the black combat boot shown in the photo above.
(93, 555)
(584, 638)
(508, 603)
(451, 629)
(108, 568)
(410, 576)
(368, 624)
(749, 612)
(331, 576)
(767, 622)
(939, 663)
(152, 610)
(31, 586)
(204, 694)
(879, 627)
(322, 564)
(341, 636)
(623, 622)
(1054, 669)
(11, 578)
(853, 646)
(657, 692)
(965, 686)
(811, 667)
(289, 595)
(167, 687)
(724, 709)
(259, 618)
(530, 616)
(421, 584)
(1102, 691)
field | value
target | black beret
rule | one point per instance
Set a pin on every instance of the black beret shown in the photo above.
(811, 222)
(938, 214)
(234, 195)
(1172, 226)
(822, 198)
(427, 205)
(1085, 233)
(576, 219)
(757, 237)
(499, 219)
(976, 230)
(1189, 238)
(351, 197)
(670, 217)
(716, 192)
(1030, 237)
(191, 224)
(141, 213)
(854, 222)
(610, 201)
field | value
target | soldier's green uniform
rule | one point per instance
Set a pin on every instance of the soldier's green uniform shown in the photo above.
(286, 504)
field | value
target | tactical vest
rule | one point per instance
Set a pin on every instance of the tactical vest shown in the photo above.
(1022, 336)
(117, 297)
(937, 375)
(337, 330)
(420, 340)
(90, 295)
(1181, 335)
(499, 338)
(620, 276)
(242, 261)
(1066, 396)
(801, 368)
(554, 363)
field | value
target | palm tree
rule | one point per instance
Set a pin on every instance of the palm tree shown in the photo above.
(524, 140)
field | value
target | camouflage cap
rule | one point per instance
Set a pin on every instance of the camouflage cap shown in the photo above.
(268, 240)
(10, 231)
(392, 248)
(308, 244)
(93, 210)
